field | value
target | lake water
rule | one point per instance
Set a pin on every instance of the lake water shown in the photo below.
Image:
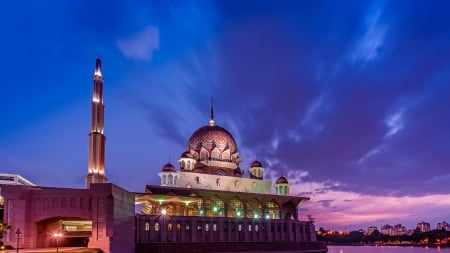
(384, 249)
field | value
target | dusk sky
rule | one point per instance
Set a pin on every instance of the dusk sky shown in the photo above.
(350, 100)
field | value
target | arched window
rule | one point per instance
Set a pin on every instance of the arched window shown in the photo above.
(164, 179)
(215, 155)
(249, 227)
(169, 227)
(206, 227)
(156, 227)
(147, 226)
(175, 180)
(204, 155)
(226, 156)
(170, 180)
(188, 165)
(256, 228)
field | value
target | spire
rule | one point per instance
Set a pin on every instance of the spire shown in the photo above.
(211, 118)
(98, 67)
(96, 165)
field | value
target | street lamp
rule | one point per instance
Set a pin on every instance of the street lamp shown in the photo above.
(18, 233)
(57, 236)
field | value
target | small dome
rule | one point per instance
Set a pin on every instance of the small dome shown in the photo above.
(169, 168)
(281, 180)
(186, 154)
(256, 163)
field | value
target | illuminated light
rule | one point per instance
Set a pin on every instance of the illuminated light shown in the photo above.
(238, 213)
(267, 216)
(95, 100)
(160, 201)
(163, 211)
(255, 216)
(98, 73)
(215, 209)
(201, 212)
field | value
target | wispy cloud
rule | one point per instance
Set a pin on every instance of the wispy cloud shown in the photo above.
(369, 44)
(394, 122)
(141, 45)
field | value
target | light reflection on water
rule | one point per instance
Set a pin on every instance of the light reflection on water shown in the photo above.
(384, 249)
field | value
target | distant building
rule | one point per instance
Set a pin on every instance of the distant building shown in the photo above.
(444, 225)
(423, 226)
(399, 230)
(14, 180)
(387, 229)
(371, 229)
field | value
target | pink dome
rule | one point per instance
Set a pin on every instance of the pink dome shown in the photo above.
(282, 180)
(169, 168)
(210, 137)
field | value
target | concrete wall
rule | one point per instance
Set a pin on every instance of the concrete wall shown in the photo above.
(34, 210)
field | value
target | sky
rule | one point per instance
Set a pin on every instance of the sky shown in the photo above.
(350, 100)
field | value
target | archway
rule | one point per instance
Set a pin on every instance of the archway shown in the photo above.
(75, 232)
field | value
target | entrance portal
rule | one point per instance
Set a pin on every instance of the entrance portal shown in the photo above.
(63, 231)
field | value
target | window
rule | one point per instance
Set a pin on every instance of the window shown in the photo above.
(147, 226)
(240, 227)
(256, 228)
(170, 177)
(178, 227)
(169, 227)
(249, 227)
(156, 227)
(163, 179)
(206, 227)
(214, 227)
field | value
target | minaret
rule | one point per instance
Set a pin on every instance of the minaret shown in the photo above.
(96, 168)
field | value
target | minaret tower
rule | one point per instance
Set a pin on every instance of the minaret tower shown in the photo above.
(96, 168)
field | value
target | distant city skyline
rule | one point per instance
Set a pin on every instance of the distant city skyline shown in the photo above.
(348, 101)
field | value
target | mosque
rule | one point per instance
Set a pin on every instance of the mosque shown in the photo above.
(206, 205)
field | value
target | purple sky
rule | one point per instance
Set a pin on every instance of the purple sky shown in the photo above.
(349, 100)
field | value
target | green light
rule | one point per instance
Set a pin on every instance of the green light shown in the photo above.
(256, 216)
(215, 209)
(238, 213)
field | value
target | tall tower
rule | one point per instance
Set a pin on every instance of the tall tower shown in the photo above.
(96, 168)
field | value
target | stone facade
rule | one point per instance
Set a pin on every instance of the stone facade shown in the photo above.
(37, 210)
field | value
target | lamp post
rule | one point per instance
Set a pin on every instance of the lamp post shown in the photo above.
(18, 233)
(57, 236)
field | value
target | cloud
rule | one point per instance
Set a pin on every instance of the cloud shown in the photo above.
(394, 122)
(369, 45)
(141, 45)
(337, 209)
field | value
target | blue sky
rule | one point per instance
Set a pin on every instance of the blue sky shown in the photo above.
(349, 100)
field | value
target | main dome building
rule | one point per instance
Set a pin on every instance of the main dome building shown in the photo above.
(211, 161)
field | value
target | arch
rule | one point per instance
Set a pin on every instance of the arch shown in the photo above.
(226, 156)
(215, 154)
(164, 179)
(156, 227)
(204, 155)
(76, 231)
(170, 179)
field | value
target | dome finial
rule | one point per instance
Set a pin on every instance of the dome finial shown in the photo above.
(211, 118)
